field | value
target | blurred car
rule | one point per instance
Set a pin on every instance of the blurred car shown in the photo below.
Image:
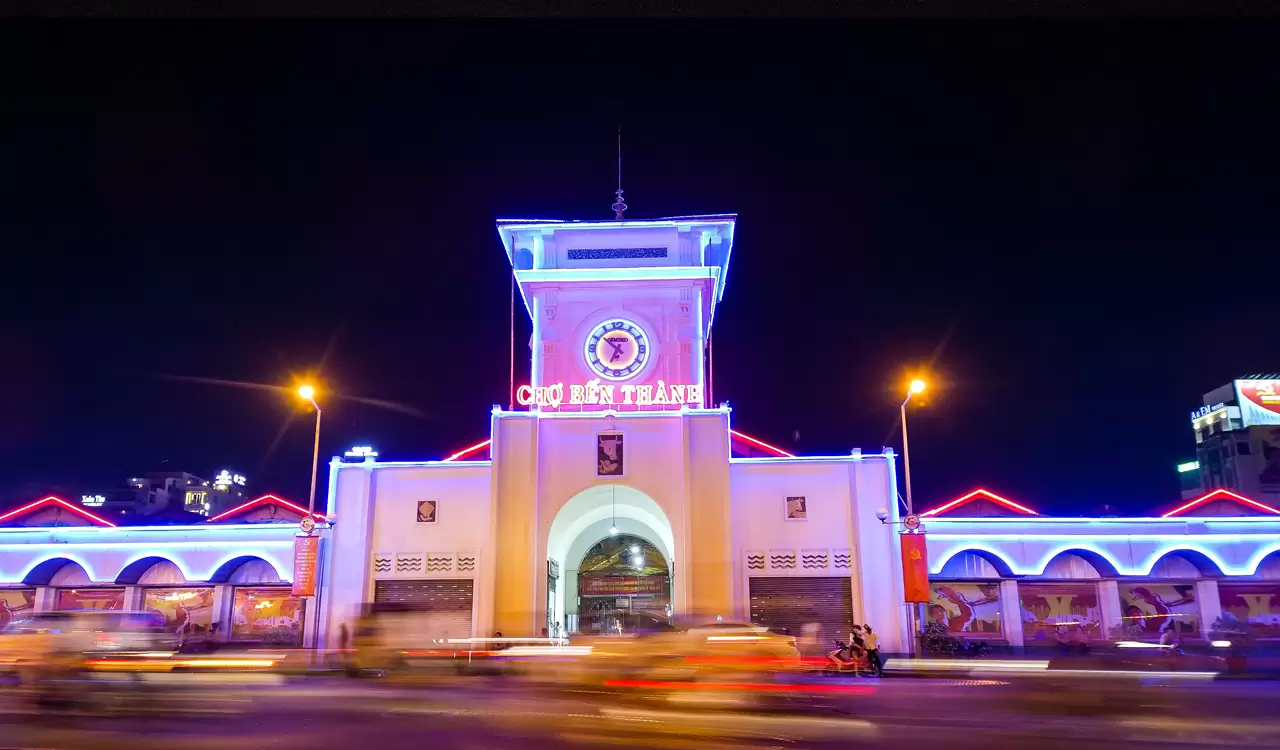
(659, 650)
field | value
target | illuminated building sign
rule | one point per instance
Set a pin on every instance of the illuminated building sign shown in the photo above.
(1205, 411)
(92, 501)
(1259, 401)
(593, 393)
(361, 451)
(226, 479)
(1188, 466)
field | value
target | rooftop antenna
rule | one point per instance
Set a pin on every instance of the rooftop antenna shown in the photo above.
(618, 206)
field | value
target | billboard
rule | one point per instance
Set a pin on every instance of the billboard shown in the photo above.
(1259, 401)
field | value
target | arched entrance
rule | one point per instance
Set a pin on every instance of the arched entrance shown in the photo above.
(592, 524)
(622, 579)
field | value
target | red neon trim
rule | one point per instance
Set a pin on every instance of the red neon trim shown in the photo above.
(983, 493)
(755, 687)
(465, 451)
(1218, 494)
(265, 499)
(52, 500)
(760, 443)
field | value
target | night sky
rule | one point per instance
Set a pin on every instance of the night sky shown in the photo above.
(1073, 225)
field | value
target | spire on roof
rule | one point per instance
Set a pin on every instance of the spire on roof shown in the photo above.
(618, 206)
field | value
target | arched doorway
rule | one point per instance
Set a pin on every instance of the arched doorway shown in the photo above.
(598, 517)
(623, 580)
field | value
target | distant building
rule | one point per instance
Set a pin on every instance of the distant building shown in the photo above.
(168, 493)
(1237, 431)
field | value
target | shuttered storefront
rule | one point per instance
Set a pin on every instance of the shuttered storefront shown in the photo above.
(791, 603)
(446, 603)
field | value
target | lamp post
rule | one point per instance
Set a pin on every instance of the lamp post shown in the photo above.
(917, 386)
(308, 394)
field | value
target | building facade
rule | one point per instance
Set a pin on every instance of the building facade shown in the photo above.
(1237, 434)
(620, 487)
(618, 437)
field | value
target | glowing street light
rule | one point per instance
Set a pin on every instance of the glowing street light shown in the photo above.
(308, 394)
(917, 386)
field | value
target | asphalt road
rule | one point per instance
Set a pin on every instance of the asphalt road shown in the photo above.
(491, 715)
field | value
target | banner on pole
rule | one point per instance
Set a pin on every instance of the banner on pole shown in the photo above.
(915, 569)
(305, 552)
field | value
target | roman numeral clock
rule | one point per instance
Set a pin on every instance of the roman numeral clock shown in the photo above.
(617, 349)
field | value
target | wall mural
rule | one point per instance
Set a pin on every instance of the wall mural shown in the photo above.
(110, 599)
(1255, 603)
(1054, 613)
(965, 608)
(1151, 605)
(267, 615)
(187, 612)
(16, 605)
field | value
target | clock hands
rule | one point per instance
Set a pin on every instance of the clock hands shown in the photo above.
(617, 350)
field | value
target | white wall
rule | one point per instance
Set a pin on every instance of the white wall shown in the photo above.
(842, 535)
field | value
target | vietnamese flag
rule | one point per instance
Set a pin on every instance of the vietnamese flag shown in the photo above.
(915, 569)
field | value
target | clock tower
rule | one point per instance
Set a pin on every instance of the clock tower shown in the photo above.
(621, 310)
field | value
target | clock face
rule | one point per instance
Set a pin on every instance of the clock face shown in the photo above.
(617, 349)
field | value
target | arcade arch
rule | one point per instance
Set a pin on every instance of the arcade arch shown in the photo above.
(589, 518)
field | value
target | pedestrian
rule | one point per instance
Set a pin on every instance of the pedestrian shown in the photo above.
(872, 644)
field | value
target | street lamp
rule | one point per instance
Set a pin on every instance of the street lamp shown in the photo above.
(308, 394)
(917, 386)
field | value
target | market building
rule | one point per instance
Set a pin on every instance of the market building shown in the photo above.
(616, 485)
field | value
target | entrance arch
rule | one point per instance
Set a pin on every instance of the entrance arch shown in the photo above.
(585, 520)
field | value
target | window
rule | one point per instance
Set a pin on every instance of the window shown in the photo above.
(1242, 448)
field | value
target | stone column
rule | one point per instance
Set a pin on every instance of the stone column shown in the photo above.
(222, 603)
(46, 599)
(1109, 604)
(134, 598)
(1011, 612)
(1210, 604)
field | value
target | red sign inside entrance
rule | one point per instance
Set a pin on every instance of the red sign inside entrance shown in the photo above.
(623, 586)
(305, 551)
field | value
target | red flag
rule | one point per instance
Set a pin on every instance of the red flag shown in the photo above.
(915, 569)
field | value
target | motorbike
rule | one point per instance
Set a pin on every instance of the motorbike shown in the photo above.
(855, 664)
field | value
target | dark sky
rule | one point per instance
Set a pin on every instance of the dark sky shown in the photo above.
(1075, 222)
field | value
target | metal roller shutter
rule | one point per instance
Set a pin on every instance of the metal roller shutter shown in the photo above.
(791, 603)
(445, 604)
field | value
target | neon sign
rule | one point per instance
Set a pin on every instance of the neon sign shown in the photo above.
(226, 479)
(593, 393)
(92, 501)
(361, 451)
